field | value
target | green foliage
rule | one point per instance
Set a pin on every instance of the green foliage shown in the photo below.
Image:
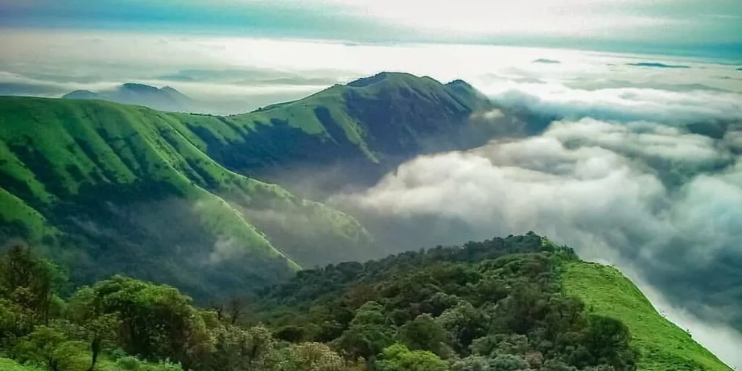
(424, 333)
(498, 305)
(72, 169)
(661, 344)
(48, 346)
(368, 332)
(398, 358)
(27, 289)
(10, 365)
(157, 322)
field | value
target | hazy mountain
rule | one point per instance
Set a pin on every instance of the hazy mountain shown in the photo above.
(116, 188)
(165, 98)
(112, 188)
(355, 132)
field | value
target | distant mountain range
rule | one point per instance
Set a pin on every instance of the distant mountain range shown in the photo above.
(165, 98)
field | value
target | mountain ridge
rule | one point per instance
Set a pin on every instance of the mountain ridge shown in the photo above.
(99, 181)
(165, 98)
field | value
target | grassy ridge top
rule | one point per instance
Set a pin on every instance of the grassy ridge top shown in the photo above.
(663, 345)
(126, 187)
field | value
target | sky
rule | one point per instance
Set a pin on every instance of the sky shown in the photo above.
(238, 55)
(624, 77)
(687, 26)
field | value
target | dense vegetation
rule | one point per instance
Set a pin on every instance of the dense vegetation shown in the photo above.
(494, 305)
(172, 197)
(663, 345)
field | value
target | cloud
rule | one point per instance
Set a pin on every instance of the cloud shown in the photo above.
(656, 65)
(259, 71)
(225, 248)
(621, 104)
(660, 202)
(546, 61)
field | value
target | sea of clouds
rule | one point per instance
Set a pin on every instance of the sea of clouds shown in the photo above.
(647, 179)
(638, 164)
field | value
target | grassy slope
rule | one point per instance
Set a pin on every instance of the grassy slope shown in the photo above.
(124, 145)
(663, 346)
(58, 154)
(53, 151)
(398, 95)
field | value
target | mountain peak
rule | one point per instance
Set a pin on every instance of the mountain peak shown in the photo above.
(459, 82)
(387, 77)
(166, 98)
(81, 94)
(139, 88)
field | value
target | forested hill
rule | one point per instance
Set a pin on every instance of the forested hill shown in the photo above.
(515, 303)
(173, 198)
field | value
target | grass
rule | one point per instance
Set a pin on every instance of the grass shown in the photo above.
(54, 151)
(10, 365)
(15, 210)
(663, 346)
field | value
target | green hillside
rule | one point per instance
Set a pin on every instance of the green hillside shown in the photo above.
(528, 275)
(663, 345)
(113, 188)
(172, 197)
(504, 304)
(359, 130)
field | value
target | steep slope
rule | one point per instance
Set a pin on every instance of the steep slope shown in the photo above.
(111, 188)
(166, 98)
(356, 131)
(516, 294)
(663, 345)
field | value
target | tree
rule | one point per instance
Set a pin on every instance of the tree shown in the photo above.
(399, 358)
(99, 330)
(607, 340)
(157, 322)
(424, 333)
(508, 362)
(48, 346)
(314, 357)
(235, 308)
(29, 283)
(465, 323)
(368, 333)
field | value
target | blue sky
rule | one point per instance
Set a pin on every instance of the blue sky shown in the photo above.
(702, 27)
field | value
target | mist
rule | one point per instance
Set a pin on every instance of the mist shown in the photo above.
(620, 176)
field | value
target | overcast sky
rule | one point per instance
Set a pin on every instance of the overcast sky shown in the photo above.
(687, 26)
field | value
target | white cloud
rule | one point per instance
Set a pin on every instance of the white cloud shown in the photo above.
(65, 57)
(592, 185)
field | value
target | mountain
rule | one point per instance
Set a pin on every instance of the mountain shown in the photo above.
(165, 98)
(111, 188)
(520, 300)
(514, 303)
(173, 197)
(352, 133)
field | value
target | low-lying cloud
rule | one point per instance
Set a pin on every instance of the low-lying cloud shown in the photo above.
(649, 196)
(622, 104)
